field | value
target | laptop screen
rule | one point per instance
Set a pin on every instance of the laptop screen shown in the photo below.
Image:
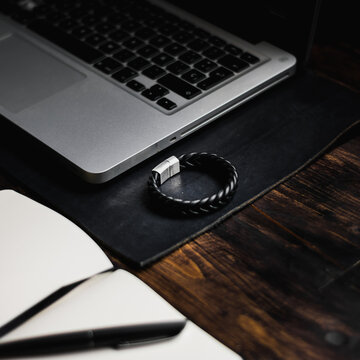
(289, 25)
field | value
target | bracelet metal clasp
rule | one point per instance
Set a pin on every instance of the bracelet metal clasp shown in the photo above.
(167, 168)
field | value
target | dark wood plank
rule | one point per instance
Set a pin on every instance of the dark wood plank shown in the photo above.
(343, 293)
(321, 205)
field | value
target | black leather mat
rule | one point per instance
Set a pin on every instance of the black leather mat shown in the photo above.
(267, 139)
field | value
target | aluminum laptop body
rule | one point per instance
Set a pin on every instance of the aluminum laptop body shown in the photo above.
(100, 126)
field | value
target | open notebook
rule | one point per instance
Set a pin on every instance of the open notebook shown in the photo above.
(41, 251)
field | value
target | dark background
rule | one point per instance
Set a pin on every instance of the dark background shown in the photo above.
(291, 25)
(287, 24)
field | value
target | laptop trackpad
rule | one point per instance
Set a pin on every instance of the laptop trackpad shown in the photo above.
(29, 75)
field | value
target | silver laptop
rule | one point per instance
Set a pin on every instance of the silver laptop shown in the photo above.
(108, 83)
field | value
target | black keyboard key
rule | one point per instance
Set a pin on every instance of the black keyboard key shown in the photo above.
(178, 67)
(130, 25)
(209, 83)
(151, 22)
(81, 32)
(155, 92)
(159, 90)
(117, 18)
(233, 63)
(215, 78)
(104, 28)
(147, 51)
(95, 39)
(197, 45)
(55, 17)
(166, 104)
(205, 65)
(179, 86)
(145, 33)
(68, 24)
(173, 19)
(118, 35)
(125, 75)
(67, 42)
(124, 55)
(90, 20)
(133, 43)
(163, 59)
(193, 76)
(251, 59)
(201, 33)
(109, 47)
(168, 29)
(186, 25)
(175, 49)
(159, 41)
(135, 85)
(43, 10)
(139, 63)
(217, 41)
(64, 5)
(183, 37)
(221, 72)
(190, 57)
(213, 53)
(75, 13)
(108, 65)
(232, 49)
(154, 72)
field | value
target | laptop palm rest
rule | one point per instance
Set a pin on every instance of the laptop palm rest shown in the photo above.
(33, 74)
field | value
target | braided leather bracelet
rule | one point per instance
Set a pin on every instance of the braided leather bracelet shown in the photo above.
(202, 161)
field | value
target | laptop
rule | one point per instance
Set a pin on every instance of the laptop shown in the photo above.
(106, 84)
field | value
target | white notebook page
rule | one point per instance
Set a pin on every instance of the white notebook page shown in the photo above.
(115, 299)
(40, 252)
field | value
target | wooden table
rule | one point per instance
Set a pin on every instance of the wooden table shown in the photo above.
(281, 278)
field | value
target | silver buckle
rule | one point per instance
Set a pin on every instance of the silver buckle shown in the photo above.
(167, 168)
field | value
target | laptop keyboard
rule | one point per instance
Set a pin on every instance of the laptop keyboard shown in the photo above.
(150, 52)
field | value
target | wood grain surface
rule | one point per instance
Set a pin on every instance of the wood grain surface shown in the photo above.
(281, 278)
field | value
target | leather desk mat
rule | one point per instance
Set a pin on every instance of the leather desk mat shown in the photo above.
(268, 139)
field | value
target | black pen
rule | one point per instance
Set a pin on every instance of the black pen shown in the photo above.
(89, 339)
